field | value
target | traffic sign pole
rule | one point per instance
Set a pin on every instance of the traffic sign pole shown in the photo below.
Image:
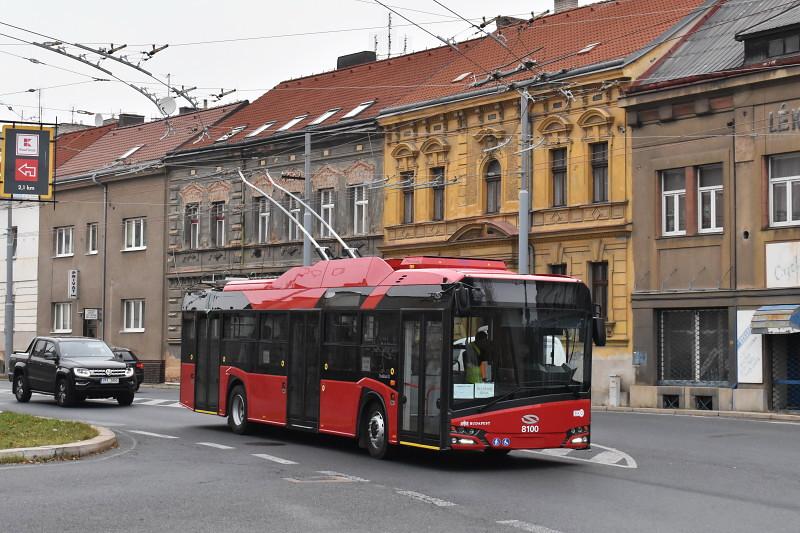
(9, 306)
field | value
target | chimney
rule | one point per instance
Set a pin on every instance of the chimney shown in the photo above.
(186, 109)
(129, 119)
(359, 58)
(563, 5)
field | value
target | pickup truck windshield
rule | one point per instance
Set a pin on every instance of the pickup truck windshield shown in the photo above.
(84, 348)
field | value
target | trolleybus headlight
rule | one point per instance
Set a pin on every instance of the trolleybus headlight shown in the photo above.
(580, 440)
(81, 372)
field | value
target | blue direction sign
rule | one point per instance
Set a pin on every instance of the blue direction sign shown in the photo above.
(28, 161)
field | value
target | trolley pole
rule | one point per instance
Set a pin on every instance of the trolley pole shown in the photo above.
(9, 305)
(524, 184)
(307, 222)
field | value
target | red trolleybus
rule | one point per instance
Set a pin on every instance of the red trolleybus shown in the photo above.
(436, 353)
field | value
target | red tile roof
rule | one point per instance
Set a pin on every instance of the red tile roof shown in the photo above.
(618, 28)
(68, 145)
(621, 27)
(179, 130)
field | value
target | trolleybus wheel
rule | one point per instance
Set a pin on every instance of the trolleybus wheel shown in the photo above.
(376, 429)
(237, 410)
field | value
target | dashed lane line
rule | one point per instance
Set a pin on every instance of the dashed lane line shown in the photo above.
(607, 457)
(149, 434)
(215, 445)
(153, 402)
(526, 526)
(274, 459)
(425, 498)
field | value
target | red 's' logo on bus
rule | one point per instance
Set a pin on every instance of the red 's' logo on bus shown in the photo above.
(530, 419)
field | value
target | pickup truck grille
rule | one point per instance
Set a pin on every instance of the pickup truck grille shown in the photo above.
(101, 372)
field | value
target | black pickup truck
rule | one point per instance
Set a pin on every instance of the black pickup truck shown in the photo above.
(72, 369)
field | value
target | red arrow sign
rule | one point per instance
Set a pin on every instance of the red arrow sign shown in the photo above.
(26, 170)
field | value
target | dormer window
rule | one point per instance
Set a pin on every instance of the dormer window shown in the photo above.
(229, 134)
(292, 122)
(129, 152)
(775, 37)
(358, 109)
(260, 129)
(325, 116)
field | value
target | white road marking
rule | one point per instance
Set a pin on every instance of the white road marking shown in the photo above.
(274, 459)
(608, 457)
(148, 434)
(152, 402)
(525, 526)
(348, 477)
(176, 404)
(215, 445)
(425, 498)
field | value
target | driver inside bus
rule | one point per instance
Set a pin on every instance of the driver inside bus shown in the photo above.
(480, 355)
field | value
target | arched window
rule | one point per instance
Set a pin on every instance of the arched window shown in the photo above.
(492, 176)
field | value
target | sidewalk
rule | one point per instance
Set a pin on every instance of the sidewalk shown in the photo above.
(695, 412)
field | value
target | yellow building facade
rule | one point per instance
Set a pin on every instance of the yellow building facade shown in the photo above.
(454, 178)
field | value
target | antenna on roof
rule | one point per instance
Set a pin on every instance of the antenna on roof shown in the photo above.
(352, 252)
(323, 252)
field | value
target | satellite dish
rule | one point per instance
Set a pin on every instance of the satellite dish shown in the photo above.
(167, 105)
(98, 119)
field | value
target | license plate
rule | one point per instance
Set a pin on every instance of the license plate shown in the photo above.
(107, 381)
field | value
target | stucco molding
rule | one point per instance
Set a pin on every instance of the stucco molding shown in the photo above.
(360, 172)
(219, 191)
(192, 194)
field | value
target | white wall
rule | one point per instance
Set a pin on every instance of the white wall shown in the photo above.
(26, 219)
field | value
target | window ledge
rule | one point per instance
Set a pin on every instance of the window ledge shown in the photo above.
(137, 249)
(92, 253)
(57, 256)
(132, 330)
(714, 231)
(61, 331)
(782, 225)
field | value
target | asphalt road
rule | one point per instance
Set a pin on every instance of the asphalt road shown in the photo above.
(179, 471)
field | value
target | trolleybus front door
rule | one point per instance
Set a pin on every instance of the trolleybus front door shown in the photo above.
(206, 384)
(421, 373)
(302, 408)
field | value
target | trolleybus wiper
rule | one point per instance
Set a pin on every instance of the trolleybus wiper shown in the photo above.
(321, 250)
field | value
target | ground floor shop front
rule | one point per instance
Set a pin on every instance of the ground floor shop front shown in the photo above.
(717, 350)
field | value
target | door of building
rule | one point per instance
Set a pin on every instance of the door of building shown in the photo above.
(422, 340)
(785, 357)
(302, 408)
(90, 328)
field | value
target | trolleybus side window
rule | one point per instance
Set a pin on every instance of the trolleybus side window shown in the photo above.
(379, 346)
(240, 340)
(188, 346)
(341, 342)
(273, 344)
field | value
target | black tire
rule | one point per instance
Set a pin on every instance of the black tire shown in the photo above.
(376, 431)
(125, 398)
(20, 388)
(65, 397)
(237, 411)
(136, 388)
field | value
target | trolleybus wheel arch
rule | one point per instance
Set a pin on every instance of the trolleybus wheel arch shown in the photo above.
(237, 410)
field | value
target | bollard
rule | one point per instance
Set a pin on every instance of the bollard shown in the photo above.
(614, 386)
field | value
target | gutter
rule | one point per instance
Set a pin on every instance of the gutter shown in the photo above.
(105, 253)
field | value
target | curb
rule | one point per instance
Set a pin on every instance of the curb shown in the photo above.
(746, 415)
(104, 440)
(169, 385)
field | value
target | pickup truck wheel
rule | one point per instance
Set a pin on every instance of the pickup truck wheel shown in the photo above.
(21, 391)
(64, 395)
(125, 398)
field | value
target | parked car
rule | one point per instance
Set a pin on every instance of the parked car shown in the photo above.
(132, 361)
(72, 369)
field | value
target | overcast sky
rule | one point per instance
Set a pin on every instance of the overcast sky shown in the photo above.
(265, 47)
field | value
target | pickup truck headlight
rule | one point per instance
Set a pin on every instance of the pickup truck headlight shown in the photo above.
(129, 372)
(81, 372)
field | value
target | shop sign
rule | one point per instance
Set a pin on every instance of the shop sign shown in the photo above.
(748, 349)
(783, 264)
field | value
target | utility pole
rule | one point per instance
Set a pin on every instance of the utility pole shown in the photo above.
(307, 193)
(9, 306)
(524, 185)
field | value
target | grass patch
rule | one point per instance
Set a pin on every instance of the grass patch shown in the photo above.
(24, 431)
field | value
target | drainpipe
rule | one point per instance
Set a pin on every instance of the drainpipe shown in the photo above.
(105, 248)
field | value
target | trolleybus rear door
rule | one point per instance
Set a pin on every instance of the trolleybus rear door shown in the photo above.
(302, 407)
(207, 369)
(421, 373)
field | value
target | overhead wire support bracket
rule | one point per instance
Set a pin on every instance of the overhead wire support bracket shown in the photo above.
(323, 252)
(352, 252)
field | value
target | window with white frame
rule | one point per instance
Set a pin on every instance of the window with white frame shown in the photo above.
(62, 317)
(360, 205)
(407, 179)
(133, 315)
(673, 202)
(262, 206)
(294, 229)
(492, 176)
(710, 202)
(218, 224)
(192, 226)
(437, 184)
(784, 189)
(135, 233)
(91, 238)
(326, 207)
(63, 241)
(558, 170)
